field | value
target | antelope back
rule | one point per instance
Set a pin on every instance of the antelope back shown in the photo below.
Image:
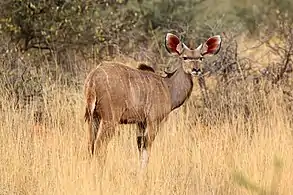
(120, 89)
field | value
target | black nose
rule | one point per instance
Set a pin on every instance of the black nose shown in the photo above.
(196, 71)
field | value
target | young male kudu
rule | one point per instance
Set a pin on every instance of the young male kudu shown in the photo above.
(118, 94)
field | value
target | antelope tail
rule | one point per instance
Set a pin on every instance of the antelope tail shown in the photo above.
(90, 105)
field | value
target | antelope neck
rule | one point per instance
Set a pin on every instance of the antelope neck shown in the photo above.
(180, 86)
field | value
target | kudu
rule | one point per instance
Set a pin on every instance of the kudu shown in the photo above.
(118, 94)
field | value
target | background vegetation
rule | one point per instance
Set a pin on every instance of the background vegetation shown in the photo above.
(234, 135)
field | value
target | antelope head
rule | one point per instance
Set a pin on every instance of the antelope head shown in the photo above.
(175, 47)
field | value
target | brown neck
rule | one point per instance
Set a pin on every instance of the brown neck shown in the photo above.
(180, 86)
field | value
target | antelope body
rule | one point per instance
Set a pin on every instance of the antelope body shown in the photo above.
(118, 94)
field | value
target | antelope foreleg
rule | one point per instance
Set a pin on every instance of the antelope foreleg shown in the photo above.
(148, 139)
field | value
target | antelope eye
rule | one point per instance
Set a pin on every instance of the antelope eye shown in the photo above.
(201, 58)
(185, 58)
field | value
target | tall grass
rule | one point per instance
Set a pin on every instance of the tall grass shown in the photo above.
(195, 152)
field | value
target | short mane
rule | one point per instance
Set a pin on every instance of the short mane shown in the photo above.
(145, 67)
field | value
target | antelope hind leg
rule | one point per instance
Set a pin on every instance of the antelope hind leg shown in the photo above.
(93, 126)
(104, 136)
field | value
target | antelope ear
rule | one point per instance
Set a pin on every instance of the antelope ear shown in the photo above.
(212, 46)
(173, 44)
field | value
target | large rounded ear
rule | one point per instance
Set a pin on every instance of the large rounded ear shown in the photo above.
(173, 44)
(212, 46)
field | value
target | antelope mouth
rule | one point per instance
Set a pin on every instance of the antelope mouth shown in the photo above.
(196, 72)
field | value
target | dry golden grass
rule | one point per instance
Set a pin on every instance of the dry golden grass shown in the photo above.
(188, 157)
